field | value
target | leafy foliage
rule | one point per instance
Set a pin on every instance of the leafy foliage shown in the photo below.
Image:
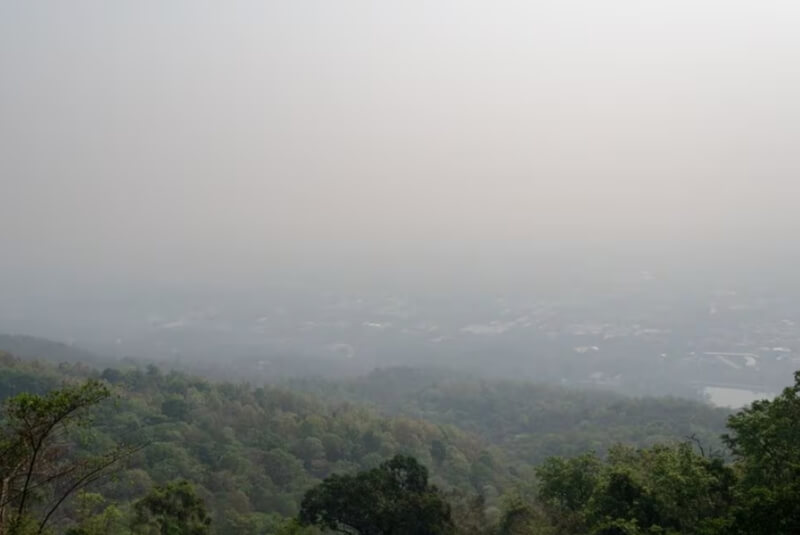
(174, 509)
(531, 422)
(40, 461)
(255, 458)
(252, 453)
(765, 439)
(392, 499)
(662, 489)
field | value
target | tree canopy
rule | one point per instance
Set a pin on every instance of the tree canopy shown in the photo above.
(41, 464)
(172, 509)
(765, 439)
(393, 499)
(473, 458)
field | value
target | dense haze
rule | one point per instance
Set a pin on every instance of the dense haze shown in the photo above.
(157, 158)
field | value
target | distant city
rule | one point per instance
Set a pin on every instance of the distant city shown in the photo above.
(641, 337)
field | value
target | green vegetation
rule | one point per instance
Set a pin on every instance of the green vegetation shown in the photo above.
(173, 509)
(250, 453)
(765, 438)
(662, 489)
(41, 461)
(530, 422)
(394, 499)
(32, 347)
(676, 489)
(464, 457)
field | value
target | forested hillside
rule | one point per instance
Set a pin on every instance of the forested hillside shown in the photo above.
(34, 347)
(529, 421)
(253, 451)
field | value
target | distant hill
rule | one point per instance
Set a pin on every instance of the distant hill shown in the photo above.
(33, 347)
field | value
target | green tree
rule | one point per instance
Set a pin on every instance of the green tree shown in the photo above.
(173, 509)
(569, 483)
(175, 407)
(471, 515)
(764, 438)
(438, 451)
(663, 489)
(96, 517)
(392, 499)
(520, 518)
(40, 465)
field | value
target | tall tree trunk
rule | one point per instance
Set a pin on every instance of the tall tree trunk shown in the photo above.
(3, 496)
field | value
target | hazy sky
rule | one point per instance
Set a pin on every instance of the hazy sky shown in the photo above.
(222, 138)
